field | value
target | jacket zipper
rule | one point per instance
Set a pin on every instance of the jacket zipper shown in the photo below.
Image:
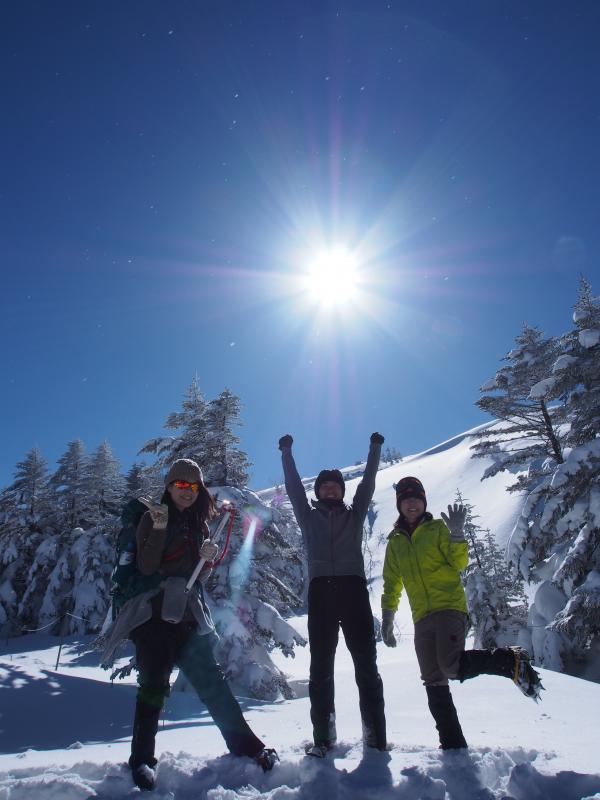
(418, 565)
(331, 541)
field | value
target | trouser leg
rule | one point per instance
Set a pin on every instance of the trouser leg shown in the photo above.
(444, 713)
(198, 664)
(323, 626)
(439, 644)
(359, 633)
(155, 643)
(499, 661)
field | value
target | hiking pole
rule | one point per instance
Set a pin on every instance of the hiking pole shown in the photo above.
(229, 511)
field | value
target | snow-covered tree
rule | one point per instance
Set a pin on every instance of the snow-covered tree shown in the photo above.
(530, 436)
(391, 455)
(259, 581)
(226, 464)
(140, 481)
(104, 484)
(556, 540)
(190, 425)
(24, 509)
(204, 434)
(495, 595)
(25, 502)
(69, 484)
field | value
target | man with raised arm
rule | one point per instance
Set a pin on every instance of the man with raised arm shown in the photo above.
(332, 533)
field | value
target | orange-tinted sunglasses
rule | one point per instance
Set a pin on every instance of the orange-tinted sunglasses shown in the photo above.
(195, 487)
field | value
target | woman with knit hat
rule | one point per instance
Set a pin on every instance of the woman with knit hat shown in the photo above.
(338, 596)
(170, 627)
(425, 556)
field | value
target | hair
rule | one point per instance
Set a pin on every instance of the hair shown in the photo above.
(200, 512)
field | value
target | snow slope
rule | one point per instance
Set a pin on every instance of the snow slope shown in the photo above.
(64, 733)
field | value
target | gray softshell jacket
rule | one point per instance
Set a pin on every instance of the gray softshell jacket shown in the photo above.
(332, 534)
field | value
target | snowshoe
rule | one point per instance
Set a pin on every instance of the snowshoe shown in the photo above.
(525, 677)
(144, 777)
(318, 749)
(266, 758)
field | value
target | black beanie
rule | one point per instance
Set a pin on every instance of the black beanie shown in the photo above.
(329, 475)
(409, 487)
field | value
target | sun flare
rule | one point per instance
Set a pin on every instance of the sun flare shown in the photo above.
(332, 277)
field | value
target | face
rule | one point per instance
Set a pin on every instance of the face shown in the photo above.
(412, 508)
(183, 495)
(330, 490)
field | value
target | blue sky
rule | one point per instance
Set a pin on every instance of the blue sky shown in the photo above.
(169, 170)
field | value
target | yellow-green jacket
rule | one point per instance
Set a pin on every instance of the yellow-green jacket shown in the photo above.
(428, 566)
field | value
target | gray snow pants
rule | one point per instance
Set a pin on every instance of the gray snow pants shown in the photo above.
(439, 642)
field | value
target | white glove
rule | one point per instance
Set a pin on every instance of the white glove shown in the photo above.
(159, 513)
(387, 628)
(455, 521)
(209, 550)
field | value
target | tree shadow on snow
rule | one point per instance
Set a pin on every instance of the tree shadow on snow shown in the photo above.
(56, 710)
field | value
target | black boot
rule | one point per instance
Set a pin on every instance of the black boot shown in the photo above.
(374, 731)
(445, 716)
(145, 726)
(499, 661)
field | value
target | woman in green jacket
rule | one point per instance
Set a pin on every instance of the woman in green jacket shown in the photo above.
(425, 556)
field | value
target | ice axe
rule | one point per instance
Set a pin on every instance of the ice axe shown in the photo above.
(228, 517)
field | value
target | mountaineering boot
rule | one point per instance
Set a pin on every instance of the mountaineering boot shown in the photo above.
(266, 758)
(144, 776)
(444, 713)
(324, 732)
(509, 662)
(142, 761)
(526, 678)
(316, 750)
(373, 735)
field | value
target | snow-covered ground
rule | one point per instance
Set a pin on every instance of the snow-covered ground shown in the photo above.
(65, 733)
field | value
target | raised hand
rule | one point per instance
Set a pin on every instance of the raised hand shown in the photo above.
(377, 438)
(158, 512)
(455, 521)
(285, 441)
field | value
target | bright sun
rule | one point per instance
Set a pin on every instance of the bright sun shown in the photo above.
(332, 277)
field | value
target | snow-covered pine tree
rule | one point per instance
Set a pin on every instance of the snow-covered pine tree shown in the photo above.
(69, 485)
(140, 481)
(24, 509)
(190, 425)
(556, 541)
(104, 485)
(26, 499)
(495, 596)
(225, 463)
(530, 436)
(391, 455)
(260, 580)
(204, 434)
(262, 577)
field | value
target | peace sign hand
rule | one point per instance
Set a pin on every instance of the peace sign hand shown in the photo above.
(159, 513)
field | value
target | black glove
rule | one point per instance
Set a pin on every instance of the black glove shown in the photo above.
(377, 438)
(285, 441)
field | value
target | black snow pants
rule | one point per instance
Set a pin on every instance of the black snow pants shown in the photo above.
(335, 602)
(160, 646)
